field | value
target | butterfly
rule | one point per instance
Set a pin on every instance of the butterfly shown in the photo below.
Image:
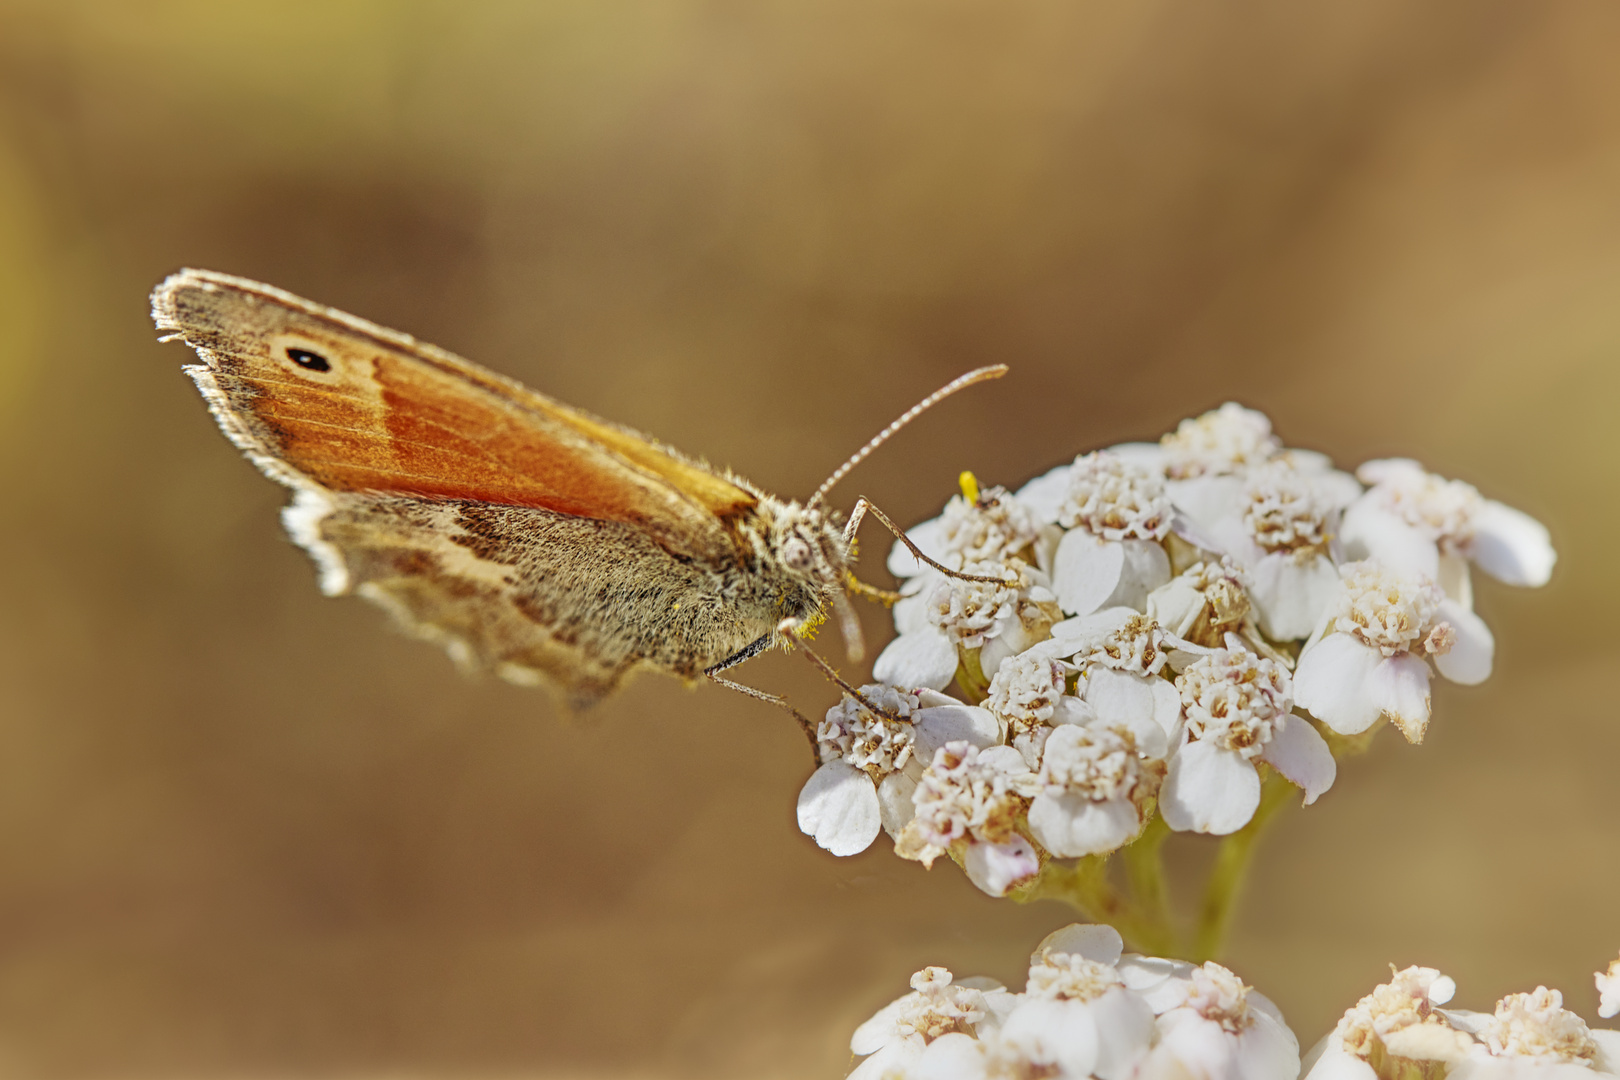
(530, 538)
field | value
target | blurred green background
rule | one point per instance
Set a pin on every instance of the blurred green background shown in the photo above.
(245, 830)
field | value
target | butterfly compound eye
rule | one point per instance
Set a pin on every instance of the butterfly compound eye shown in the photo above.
(309, 361)
(796, 554)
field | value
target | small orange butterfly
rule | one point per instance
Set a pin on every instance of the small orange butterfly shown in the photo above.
(530, 538)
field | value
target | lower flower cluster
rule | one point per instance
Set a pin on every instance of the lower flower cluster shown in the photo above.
(1402, 1030)
(1088, 1009)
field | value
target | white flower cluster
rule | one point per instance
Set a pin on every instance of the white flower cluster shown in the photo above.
(1087, 1010)
(1401, 1030)
(1146, 622)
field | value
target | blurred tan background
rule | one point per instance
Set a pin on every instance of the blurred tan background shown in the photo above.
(248, 831)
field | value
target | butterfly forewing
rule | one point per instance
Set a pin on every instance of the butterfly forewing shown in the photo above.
(355, 407)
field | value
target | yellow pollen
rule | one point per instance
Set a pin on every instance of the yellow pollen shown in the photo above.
(970, 486)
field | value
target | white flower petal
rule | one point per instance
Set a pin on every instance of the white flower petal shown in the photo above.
(1167, 715)
(1005, 645)
(1469, 660)
(1142, 706)
(1369, 531)
(1400, 686)
(1071, 826)
(952, 1056)
(1608, 1050)
(880, 1030)
(1209, 790)
(1045, 495)
(1331, 682)
(1290, 595)
(1159, 982)
(1144, 455)
(1266, 1049)
(895, 807)
(1004, 758)
(1455, 580)
(1175, 605)
(1124, 1033)
(1086, 571)
(956, 722)
(1191, 1046)
(927, 536)
(891, 1061)
(1094, 941)
(1336, 1063)
(1046, 1031)
(1608, 988)
(1069, 709)
(1205, 499)
(995, 868)
(911, 610)
(1336, 487)
(1512, 546)
(1146, 568)
(924, 658)
(1301, 755)
(1258, 1002)
(1120, 698)
(839, 808)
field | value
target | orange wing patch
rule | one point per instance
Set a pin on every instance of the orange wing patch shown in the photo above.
(352, 406)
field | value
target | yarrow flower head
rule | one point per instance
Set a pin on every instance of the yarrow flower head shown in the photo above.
(1537, 1027)
(1029, 694)
(938, 1007)
(978, 525)
(1204, 603)
(992, 528)
(1401, 1030)
(1117, 513)
(1370, 659)
(1223, 440)
(972, 800)
(1420, 523)
(1113, 499)
(1121, 656)
(869, 761)
(1608, 985)
(1236, 708)
(1096, 790)
(1087, 1010)
(970, 613)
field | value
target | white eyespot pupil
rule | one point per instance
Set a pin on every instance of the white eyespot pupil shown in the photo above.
(796, 554)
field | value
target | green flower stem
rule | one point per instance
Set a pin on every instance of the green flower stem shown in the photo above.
(1144, 873)
(1141, 916)
(1232, 867)
(1084, 886)
(970, 676)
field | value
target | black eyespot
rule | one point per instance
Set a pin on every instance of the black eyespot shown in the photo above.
(308, 360)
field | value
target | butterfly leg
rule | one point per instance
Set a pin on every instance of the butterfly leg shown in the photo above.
(886, 597)
(747, 652)
(789, 628)
(863, 507)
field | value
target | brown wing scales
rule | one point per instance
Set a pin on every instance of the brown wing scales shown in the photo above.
(351, 406)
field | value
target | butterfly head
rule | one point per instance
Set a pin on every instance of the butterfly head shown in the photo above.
(808, 547)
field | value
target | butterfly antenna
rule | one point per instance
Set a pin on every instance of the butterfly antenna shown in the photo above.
(995, 371)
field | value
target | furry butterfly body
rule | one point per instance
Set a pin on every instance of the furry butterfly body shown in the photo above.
(528, 537)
